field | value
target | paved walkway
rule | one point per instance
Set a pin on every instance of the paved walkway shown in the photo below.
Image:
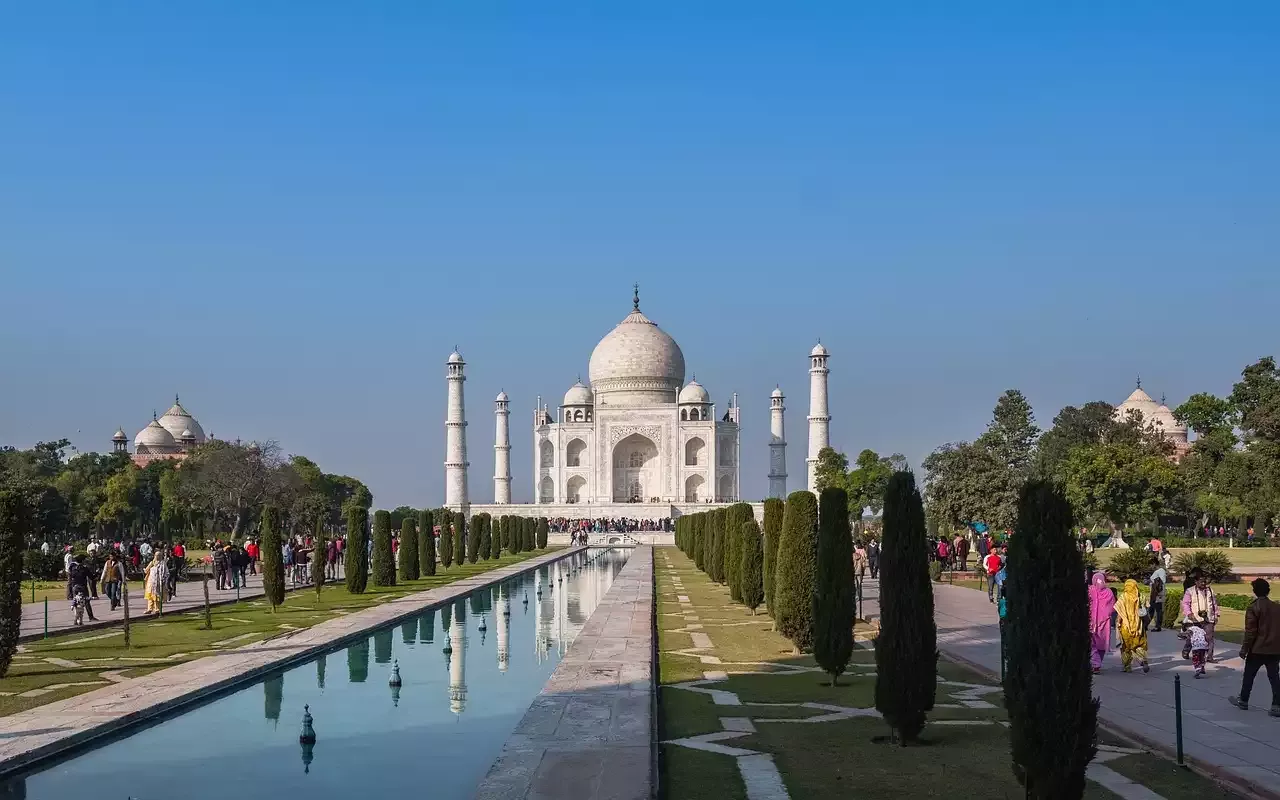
(589, 733)
(1243, 746)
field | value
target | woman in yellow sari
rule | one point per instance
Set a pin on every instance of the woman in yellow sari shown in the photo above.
(1131, 620)
(156, 581)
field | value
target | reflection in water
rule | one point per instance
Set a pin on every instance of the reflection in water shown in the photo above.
(358, 662)
(409, 631)
(458, 665)
(504, 629)
(382, 646)
(427, 627)
(273, 696)
(320, 665)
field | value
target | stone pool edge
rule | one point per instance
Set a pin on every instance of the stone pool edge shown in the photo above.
(589, 732)
(46, 732)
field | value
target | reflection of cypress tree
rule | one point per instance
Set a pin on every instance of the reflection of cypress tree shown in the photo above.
(273, 696)
(427, 627)
(409, 632)
(320, 667)
(358, 662)
(382, 646)
(446, 619)
(14, 788)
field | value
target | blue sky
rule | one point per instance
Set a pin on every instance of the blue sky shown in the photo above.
(290, 213)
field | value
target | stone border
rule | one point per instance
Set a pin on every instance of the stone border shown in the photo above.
(53, 730)
(590, 733)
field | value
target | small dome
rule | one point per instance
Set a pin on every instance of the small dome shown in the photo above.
(154, 436)
(456, 358)
(1166, 420)
(776, 392)
(187, 436)
(818, 350)
(694, 393)
(579, 394)
(119, 436)
(502, 397)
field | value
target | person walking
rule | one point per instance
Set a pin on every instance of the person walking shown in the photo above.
(220, 567)
(1200, 606)
(113, 579)
(1101, 604)
(992, 565)
(78, 583)
(873, 558)
(1261, 647)
(1156, 607)
(1131, 623)
(962, 552)
(155, 582)
(859, 560)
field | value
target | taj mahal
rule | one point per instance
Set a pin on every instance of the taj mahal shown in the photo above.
(634, 441)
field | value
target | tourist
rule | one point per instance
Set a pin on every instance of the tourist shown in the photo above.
(859, 560)
(68, 558)
(1261, 646)
(962, 552)
(155, 582)
(44, 549)
(1101, 604)
(78, 581)
(1198, 642)
(79, 601)
(873, 558)
(113, 579)
(1131, 616)
(331, 557)
(944, 552)
(1166, 559)
(1157, 603)
(220, 567)
(992, 565)
(251, 550)
(1200, 606)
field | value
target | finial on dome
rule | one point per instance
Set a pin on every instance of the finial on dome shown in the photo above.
(635, 297)
(175, 399)
(154, 418)
(1162, 402)
(1139, 381)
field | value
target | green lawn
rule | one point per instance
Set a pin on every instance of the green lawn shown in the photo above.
(833, 759)
(1241, 557)
(173, 639)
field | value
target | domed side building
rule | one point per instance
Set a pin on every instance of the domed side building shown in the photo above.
(171, 436)
(1159, 415)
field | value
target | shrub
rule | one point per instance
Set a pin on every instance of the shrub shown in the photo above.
(353, 557)
(833, 595)
(42, 567)
(409, 549)
(1048, 687)
(935, 571)
(474, 537)
(542, 533)
(426, 544)
(446, 538)
(1090, 561)
(16, 522)
(1136, 563)
(907, 647)
(797, 572)
(1172, 606)
(1240, 602)
(1215, 564)
(384, 559)
(773, 511)
(272, 560)
(751, 571)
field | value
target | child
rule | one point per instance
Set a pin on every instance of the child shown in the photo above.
(1199, 644)
(78, 601)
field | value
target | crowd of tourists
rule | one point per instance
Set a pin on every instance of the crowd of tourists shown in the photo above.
(608, 525)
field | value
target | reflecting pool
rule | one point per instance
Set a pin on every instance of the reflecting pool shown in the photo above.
(468, 671)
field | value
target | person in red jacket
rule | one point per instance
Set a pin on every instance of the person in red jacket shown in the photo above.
(992, 564)
(251, 550)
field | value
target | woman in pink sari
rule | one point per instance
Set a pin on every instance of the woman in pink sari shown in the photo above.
(1101, 604)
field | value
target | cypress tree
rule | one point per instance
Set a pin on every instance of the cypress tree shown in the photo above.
(459, 537)
(833, 601)
(446, 537)
(272, 560)
(318, 558)
(354, 554)
(715, 553)
(516, 534)
(1048, 687)
(474, 536)
(426, 544)
(486, 538)
(384, 559)
(698, 525)
(907, 647)
(530, 534)
(543, 526)
(504, 531)
(796, 578)
(773, 509)
(751, 571)
(17, 519)
(409, 549)
(495, 537)
(736, 516)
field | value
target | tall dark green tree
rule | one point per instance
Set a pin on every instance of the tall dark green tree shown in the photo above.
(426, 544)
(530, 534)
(357, 549)
(474, 536)
(516, 534)
(907, 647)
(486, 538)
(318, 558)
(773, 511)
(543, 525)
(459, 536)
(384, 559)
(504, 528)
(17, 520)
(735, 516)
(715, 565)
(495, 537)
(697, 529)
(751, 571)
(797, 573)
(1048, 687)
(272, 559)
(833, 601)
(408, 556)
(446, 538)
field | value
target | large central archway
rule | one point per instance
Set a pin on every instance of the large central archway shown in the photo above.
(635, 469)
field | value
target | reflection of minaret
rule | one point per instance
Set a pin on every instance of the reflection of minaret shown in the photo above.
(502, 451)
(777, 446)
(819, 418)
(458, 666)
(455, 465)
(504, 629)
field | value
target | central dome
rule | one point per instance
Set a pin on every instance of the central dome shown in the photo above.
(637, 363)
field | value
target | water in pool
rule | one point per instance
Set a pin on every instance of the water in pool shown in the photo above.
(469, 670)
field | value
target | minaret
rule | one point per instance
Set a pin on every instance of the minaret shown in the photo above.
(455, 428)
(502, 451)
(819, 419)
(777, 446)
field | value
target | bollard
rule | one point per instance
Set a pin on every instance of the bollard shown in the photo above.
(46, 618)
(1177, 711)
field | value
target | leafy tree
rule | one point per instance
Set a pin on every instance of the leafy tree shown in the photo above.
(833, 596)
(1091, 424)
(357, 549)
(1048, 687)
(16, 523)
(868, 480)
(426, 544)
(474, 536)
(797, 570)
(832, 468)
(271, 547)
(1119, 483)
(446, 538)
(1011, 435)
(409, 548)
(459, 536)
(542, 533)
(907, 647)
(773, 513)
(117, 509)
(400, 514)
(384, 560)
(751, 571)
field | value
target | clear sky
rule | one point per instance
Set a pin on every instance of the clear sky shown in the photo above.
(291, 212)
